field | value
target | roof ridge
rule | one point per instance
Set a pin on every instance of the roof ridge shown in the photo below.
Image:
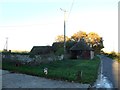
(81, 45)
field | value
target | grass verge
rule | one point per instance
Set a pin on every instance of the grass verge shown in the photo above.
(61, 70)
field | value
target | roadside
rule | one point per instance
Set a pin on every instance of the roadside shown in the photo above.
(16, 80)
(116, 73)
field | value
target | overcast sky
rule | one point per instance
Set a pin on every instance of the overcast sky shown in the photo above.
(29, 23)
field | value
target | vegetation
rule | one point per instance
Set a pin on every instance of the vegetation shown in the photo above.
(60, 38)
(16, 52)
(91, 38)
(63, 70)
(113, 55)
(58, 47)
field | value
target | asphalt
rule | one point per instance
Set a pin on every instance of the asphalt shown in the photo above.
(17, 80)
(110, 70)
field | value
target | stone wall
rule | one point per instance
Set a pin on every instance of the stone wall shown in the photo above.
(36, 59)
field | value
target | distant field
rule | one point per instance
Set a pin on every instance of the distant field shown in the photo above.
(69, 70)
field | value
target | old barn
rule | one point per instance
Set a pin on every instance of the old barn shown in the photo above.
(81, 50)
(41, 50)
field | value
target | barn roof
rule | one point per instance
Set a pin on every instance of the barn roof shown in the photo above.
(81, 45)
(41, 49)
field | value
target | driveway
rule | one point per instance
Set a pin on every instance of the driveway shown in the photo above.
(16, 80)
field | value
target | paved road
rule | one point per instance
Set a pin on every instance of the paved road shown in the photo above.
(110, 70)
(15, 80)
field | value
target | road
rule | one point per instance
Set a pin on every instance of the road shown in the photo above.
(110, 70)
(17, 80)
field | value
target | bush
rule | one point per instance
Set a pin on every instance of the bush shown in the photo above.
(60, 51)
(16, 63)
(112, 55)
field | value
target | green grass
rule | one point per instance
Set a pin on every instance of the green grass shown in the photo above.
(61, 70)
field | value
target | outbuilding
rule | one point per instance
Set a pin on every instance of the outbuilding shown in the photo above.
(81, 50)
(41, 50)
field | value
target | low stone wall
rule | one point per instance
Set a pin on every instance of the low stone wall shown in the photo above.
(36, 59)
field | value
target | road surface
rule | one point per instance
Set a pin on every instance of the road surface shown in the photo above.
(15, 80)
(110, 70)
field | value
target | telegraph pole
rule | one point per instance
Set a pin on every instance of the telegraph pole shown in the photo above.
(7, 43)
(64, 32)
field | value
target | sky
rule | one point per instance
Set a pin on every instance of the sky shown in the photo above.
(28, 23)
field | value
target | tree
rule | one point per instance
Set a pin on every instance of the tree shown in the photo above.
(77, 36)
(96, 41)
(91, 38)
(60, 38)
(57, 45)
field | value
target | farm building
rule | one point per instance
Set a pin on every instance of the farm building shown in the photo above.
(40, 50)
(81, 50)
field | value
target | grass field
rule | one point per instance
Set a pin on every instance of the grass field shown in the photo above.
(61, 70)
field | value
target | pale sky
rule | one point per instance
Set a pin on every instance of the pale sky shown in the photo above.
(29, 23)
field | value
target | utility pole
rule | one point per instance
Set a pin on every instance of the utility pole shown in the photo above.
(6, 45)
(64, 32)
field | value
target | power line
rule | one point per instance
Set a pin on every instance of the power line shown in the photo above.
(29, 25)
(70, 9)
